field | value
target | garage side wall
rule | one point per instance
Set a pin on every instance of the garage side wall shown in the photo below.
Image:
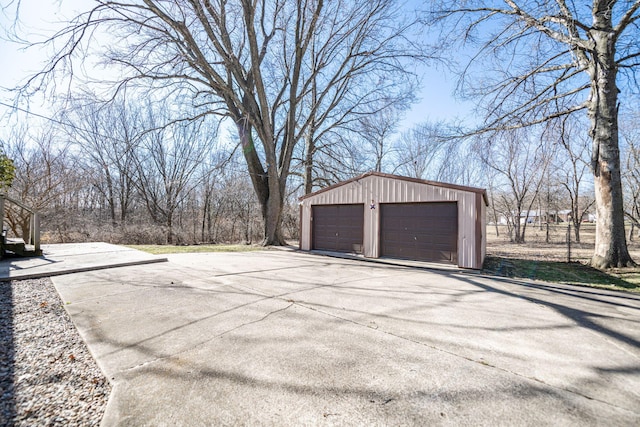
(374, 190)
(483, 230)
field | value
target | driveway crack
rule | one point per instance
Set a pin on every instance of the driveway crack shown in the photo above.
(255, 321)
(172, 355)
(470, 359)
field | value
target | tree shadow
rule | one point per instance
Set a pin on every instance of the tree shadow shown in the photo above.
(574, 273)
(7, 356)
(583, 318)
(581, 305)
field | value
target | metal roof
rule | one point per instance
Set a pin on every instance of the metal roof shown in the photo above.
(403, 178)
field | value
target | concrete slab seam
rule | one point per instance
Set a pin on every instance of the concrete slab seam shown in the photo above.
(451, 353)
(83, 269)
(479, 362)
(158, 359)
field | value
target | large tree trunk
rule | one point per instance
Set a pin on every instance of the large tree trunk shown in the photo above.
(273, 218)
(170, 228)
(611, 246)
(266, 185)
(308, 163)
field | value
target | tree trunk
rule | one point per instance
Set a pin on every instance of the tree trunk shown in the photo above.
(495, 213)
(516, 229)
(576, 230)
(273, 217)
(310, 143)
(518, 226)
(266, 185)
(170, 228)
(111, 201)
(611, 246)
(310, 148)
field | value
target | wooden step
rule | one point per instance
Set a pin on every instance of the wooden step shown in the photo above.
(18, 247)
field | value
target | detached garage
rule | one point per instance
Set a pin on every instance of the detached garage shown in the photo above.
(381, 215)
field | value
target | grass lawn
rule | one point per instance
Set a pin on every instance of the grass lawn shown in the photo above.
(539, 259)
(574, 273)
(183, 249)
(535, 260)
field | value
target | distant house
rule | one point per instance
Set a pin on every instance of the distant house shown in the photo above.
(529, 217)
(532, 217)
(563, 215)
(541, 216)
(566, 214)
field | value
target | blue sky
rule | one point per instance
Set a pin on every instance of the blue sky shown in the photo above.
(436, 101)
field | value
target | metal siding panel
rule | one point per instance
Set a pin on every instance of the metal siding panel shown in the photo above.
(484, 231)
(388, 190)
(373, 189)
(462, 239)
(466, 231)
(305, 237)
(473, 221)
(478, 232)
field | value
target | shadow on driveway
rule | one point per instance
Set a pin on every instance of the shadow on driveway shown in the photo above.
(284, 338)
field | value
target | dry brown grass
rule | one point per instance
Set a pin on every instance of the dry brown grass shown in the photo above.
(537, 259)
(536, 248)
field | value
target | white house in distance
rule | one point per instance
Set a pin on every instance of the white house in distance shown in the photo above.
(382, 215)
(541, 217)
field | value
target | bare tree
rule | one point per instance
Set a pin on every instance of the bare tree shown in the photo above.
(250, 61)
(571, 164)
(551, 196)
(631, 172)
(167, 161)
(375, 131)
(338, 120)
(107, 135)
(44, 175)
(548, 59)
(518, 165)
(421, 151)
(212, 174)
(331, 156)
(435, 151)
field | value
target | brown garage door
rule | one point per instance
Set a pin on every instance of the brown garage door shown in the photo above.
(421, 231)
(338, 227)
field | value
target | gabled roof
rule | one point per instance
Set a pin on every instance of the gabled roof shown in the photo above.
(403, 178)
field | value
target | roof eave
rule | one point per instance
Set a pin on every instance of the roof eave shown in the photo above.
(403, 178)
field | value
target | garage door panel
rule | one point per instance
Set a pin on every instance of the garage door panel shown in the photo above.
(338, 227)
(422, 231)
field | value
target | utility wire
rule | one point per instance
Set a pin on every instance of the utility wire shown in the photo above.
(51, 119)
(92, 132)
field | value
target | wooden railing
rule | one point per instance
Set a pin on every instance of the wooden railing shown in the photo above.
(33, 238)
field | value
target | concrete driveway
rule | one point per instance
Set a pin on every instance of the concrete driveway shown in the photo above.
(285, 338)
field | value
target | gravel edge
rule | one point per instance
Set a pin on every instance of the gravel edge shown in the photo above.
(47, 375)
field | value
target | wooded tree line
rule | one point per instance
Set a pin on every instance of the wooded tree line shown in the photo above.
(118, 172)
(108, 173)
(314, 89)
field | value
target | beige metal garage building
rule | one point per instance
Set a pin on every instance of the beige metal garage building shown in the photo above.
(381, 215)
